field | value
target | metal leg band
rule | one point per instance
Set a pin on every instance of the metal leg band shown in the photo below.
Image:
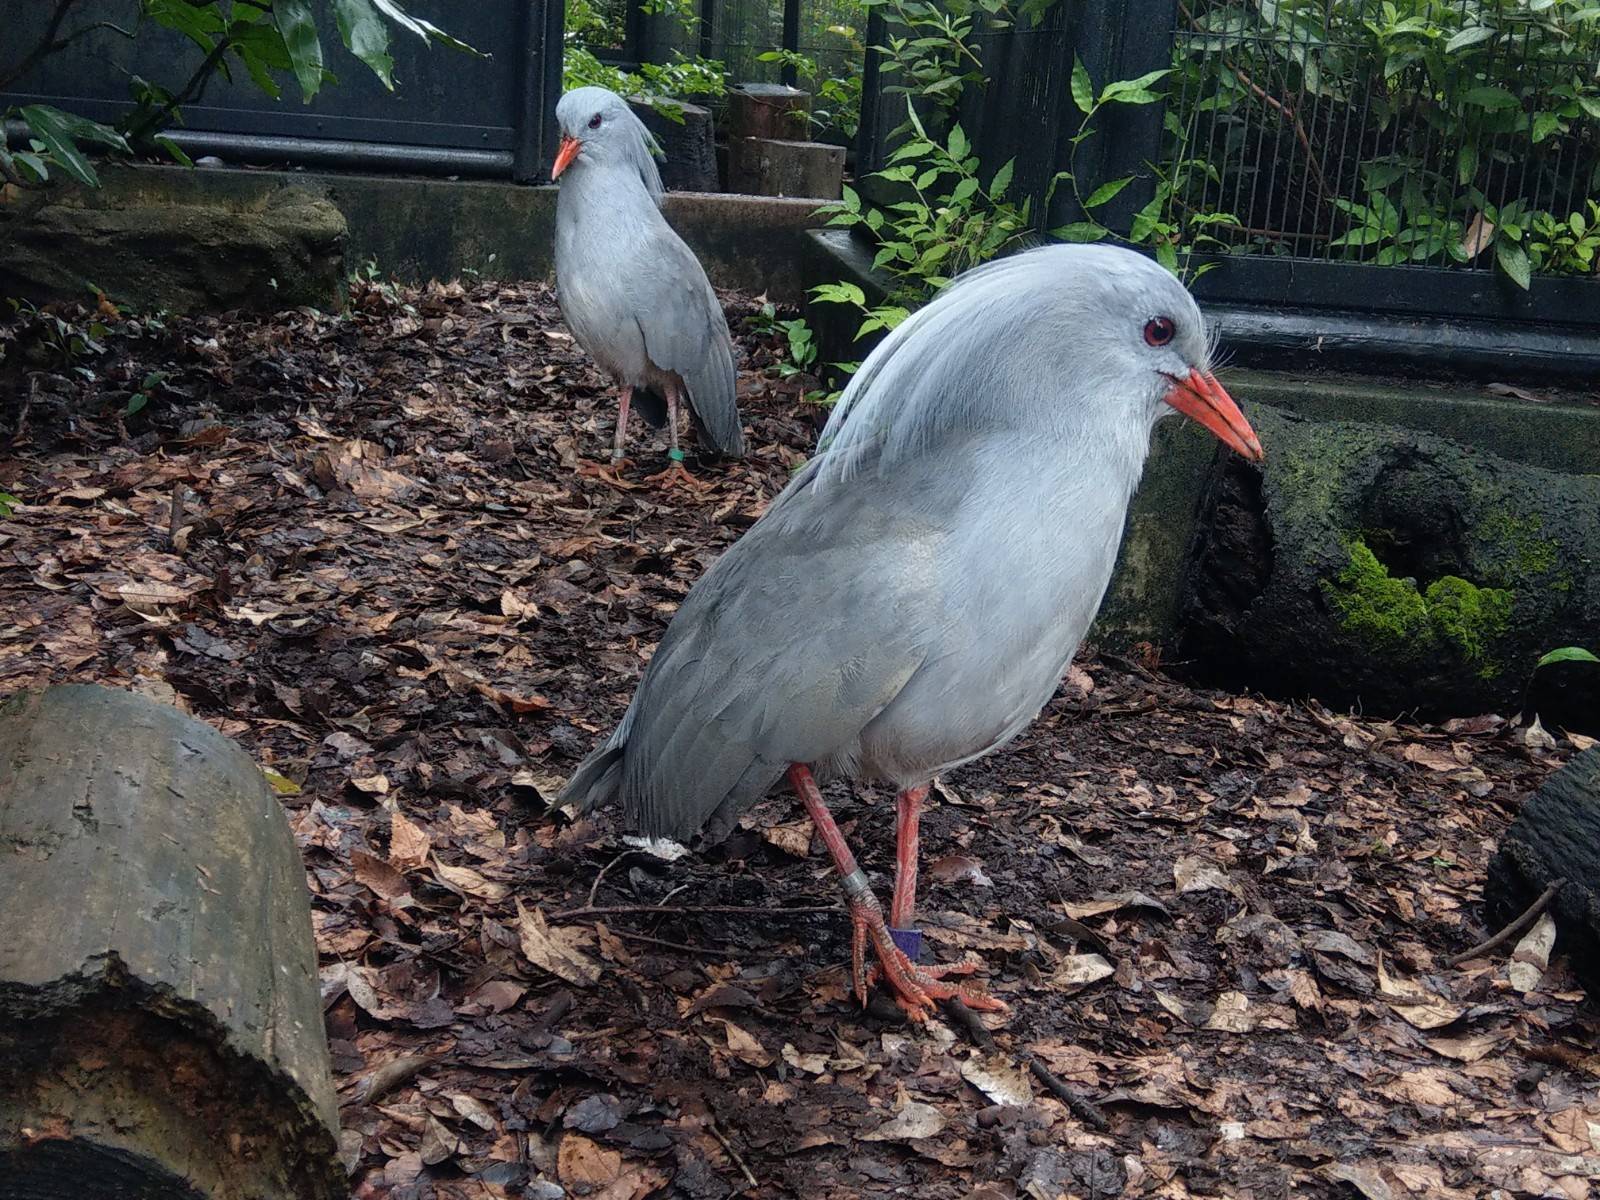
(855, 884)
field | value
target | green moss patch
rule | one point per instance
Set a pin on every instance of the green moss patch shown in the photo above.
(1392, 614)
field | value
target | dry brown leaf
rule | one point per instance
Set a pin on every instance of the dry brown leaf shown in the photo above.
(555, 950)
(1363, 1177)
(1076, 971)
(1195, 874)
(582, 1164)
(914, 1121)
(1414, 1003)
(408, 843)
(1431, 757)
(793, 838)
(355, 467)
(376, 784)
(998, 1077)
(381, 878)
(811, 1064)
(745, 1047)
(465, 879)
(1468, 1047)
(1232, 1014)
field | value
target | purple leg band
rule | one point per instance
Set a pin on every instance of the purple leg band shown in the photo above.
(909, 941)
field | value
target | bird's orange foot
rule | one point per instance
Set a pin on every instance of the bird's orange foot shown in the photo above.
(916, 989)
(609, 473)
(676, 475)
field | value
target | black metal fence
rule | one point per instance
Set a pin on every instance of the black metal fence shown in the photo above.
(1406, 157)
(491, 116)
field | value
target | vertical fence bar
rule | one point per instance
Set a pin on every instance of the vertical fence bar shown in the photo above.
(791, 38)
(708, 25)
(869, 141)
(540, 27)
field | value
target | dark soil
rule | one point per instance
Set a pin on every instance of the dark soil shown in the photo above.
(360, 546)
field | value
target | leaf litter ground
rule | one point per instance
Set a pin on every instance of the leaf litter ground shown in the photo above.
(359, 545)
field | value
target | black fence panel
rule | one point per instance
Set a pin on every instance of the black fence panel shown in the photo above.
(1408, 158)
(493, 115)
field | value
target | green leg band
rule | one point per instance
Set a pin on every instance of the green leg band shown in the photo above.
(675, 455)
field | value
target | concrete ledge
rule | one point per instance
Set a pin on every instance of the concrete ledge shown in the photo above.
(422, 228)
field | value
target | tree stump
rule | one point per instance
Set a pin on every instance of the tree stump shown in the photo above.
(768, 167)
(689, 146)
(161, 1030)
(1556, 836)
(1370, 565)
(769, 110)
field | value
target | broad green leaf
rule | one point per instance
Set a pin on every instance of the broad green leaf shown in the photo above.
(1002, 180)
(298, 27)
(60, 133)
(1494, 99)
(963, 190)
(1082, 87)
(1568, 654)
(175, 150)
(1107, 192)
(958, 143)
(1470, 36)
(1544, 124)
(1081, 231)
(1513, 260)
(367, 37)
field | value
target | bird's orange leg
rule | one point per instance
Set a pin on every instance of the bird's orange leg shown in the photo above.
(676, 474)
(908, 816)
(612, 472)
(915, 988)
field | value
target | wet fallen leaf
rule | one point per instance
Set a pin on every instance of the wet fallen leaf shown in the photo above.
(1414, 1003)
(1195, 874)
(465, 879)
(1076, 971)
(583, 1164)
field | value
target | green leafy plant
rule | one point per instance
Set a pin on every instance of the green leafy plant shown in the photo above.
(662, 85)
(267, 41)
(1405, 131)
(8, 504)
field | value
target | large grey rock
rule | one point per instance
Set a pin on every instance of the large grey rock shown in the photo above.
(282, 249)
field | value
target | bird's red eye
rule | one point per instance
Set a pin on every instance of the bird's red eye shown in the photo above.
(1158, 331)
(594, 121)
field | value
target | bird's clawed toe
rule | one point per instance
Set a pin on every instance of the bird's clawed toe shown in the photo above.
(916, 989)
(677, 476)
(609, 473)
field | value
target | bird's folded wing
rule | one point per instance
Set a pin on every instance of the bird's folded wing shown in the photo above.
(799, 636)
(685, 331)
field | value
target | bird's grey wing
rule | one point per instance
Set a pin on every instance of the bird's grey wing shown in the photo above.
(784, 652)
(685, 331)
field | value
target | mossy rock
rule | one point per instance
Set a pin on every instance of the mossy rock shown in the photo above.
(1399, 571)
(279, 250)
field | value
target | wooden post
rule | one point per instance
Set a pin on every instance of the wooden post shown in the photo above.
(160, 1026)
(769, 110)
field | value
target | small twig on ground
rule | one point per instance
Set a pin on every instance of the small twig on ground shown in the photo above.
(609, 910)
(1526, 918)
(175, 519)
(655, 941)
(595, 887)
(732, 1153)
(1085, 1110)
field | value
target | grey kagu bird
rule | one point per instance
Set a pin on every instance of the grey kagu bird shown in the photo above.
(633, 294)
(911, 600)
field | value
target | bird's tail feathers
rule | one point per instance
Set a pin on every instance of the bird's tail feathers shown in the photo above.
(597, 781)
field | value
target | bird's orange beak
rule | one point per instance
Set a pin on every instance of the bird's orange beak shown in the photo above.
(565, 153)
(1201, 397)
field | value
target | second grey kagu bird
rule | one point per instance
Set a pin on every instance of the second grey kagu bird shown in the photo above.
(633, 294)
(911, 600)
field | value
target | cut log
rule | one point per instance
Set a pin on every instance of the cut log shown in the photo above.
(1400, 571)
(767, 167)
(689, 145)
(1556, 836)
(160, 1023)
(769, 110)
